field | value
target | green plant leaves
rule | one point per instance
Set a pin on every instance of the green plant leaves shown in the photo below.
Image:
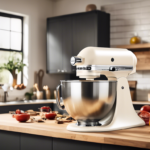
(13, 64)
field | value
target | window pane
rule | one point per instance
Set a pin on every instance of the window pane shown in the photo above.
(16, 41)
(5, 77)
(16, 25)
(4, 39)
(4, 58)
(5, 23)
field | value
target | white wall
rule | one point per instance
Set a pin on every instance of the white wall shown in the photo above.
(62, 7)
(36, 12)
(126, 19)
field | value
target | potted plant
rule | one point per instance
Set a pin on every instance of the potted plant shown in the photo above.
(28, 95)
(14, 65)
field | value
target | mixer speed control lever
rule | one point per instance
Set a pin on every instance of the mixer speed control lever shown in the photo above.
(74, 60)
(112, 69)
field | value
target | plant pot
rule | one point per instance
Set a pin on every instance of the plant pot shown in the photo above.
(14, 78)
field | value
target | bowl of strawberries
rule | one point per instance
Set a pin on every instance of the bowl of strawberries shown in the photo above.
(21, 116)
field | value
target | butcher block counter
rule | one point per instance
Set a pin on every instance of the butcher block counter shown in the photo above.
(136, 137)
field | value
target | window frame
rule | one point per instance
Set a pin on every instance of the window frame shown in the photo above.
(13, 50)
(18, 17)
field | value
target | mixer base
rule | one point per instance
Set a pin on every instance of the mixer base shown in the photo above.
(74, 127)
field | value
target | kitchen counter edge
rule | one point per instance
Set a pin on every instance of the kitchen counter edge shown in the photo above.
(26, 102)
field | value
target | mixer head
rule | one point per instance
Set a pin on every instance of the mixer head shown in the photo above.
(91, 62)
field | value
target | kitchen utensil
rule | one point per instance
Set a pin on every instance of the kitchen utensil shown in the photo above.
(35, 77)
(47, 92)
(106, 104)
(21, 117)
(39, 94)
(35, 81)
(36, 86)
(40, 76)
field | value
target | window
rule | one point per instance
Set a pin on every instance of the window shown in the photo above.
(11, 32)
(11, 40)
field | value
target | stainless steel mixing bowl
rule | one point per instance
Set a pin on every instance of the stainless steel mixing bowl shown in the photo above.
(86, 101)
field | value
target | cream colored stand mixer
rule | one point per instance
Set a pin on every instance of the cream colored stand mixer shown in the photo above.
(100, 105)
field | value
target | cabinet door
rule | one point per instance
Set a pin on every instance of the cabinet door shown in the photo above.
(84, 31)
(67, 44)
(117, 147)
(63, 144)
(35, 142)
(9, 140)
(54, 46)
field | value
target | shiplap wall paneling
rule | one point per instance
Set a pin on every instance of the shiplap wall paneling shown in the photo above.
(126, 19)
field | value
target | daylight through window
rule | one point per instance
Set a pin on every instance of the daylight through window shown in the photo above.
(11, 41)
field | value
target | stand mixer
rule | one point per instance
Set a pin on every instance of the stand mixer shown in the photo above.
(100, 105)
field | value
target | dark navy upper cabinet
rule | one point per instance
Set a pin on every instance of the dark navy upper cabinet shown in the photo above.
(54, 45)
(68, 35)
(67, 45)
(84, 31)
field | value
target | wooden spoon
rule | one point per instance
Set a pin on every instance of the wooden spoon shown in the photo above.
(40, 76)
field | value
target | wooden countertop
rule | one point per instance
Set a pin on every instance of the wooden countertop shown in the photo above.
(134, 137)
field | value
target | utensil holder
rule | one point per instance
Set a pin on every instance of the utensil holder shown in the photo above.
(39, 94)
